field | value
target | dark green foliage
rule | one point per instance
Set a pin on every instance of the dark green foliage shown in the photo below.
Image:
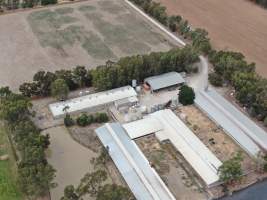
(231, 170)
(215, 79)
(186, 95)
(173, 22)
(70, 193)
(35, 175)
(176, 23)
(68, 121)
(13, 107)
(114, 192)
(67, 75)
(30, 3)
(261, 2)
(42, 81)
(128, 68)
(91, 183)
(265, 122)
(47, 2)
(59, 89)
(101, 118)
(251, 89)
(85, 120)
(113, 75)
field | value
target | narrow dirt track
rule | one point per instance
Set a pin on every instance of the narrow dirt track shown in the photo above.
(232, 24)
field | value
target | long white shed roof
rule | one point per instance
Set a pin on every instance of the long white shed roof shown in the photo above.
(202, 160)
(92, 100)
(252, 130)
(232, 126)
(143, 127)
(141, 178)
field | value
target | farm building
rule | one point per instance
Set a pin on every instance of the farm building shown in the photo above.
(93, 102)
(248, 135)
(167, 126)
(141, 178)
(164, 81)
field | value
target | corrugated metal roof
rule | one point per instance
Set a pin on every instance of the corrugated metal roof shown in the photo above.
(164, 80)
(143, 180)
(142, 127)
(247, 125)
(215, 109)
(202, 160)
(92, 100)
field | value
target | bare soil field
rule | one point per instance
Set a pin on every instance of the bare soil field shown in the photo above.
(86, 33)
(232, 24)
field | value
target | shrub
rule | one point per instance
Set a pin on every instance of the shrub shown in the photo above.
(47, 2)
(101, 117)
(231, 169)
(186, 95)
(215, 79)
(83, 120)
(68, 121)
(265, 122)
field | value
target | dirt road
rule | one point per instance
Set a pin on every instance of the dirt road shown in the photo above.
(233, 25)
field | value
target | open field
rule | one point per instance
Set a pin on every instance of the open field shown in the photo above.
(8, 187)
(232, 24)
(87, 33)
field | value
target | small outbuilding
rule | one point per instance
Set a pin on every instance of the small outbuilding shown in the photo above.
(164, 81)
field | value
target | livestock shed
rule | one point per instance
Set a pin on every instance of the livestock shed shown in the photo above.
(164, 81)
(167, 126)
(239, 127)
(92, 102)
(141, 178)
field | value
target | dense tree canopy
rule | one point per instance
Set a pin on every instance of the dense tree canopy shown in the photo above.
(59, 89)
(250, 88)
(261, 2)
(112, 75)
(186, 95)
(35, 175)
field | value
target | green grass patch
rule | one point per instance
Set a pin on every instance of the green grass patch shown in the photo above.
(64, 11)
(111, 7)
(97, 48)
(86, 8)
(118, 35)
(8, 187)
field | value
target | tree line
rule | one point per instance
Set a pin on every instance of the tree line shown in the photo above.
(176, 23)
(35, 175)
(250, 89)
(113, 74)
(15, 4)
(261, 2)
(229, 67)
(85, 119)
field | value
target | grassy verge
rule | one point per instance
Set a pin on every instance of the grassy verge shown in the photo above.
(8, 171)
